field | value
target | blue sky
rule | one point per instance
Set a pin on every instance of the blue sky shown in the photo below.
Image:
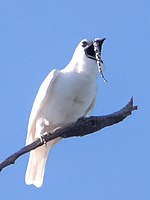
(37, 36)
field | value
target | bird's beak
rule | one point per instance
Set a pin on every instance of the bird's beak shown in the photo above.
(88, 45)
(89, 49)
(100, 42)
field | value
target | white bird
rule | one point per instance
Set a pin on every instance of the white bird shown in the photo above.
(63, 97)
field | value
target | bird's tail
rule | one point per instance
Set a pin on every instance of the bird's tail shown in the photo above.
(36, 165)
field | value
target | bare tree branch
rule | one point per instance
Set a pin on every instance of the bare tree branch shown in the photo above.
(83, 126)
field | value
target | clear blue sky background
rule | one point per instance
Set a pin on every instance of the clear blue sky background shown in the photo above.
(39, 35)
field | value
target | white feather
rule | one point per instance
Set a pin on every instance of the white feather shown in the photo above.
(63, 97)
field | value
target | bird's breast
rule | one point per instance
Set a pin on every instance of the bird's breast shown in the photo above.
(69, 99)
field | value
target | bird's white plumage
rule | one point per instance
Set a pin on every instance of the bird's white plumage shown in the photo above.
(63, 97)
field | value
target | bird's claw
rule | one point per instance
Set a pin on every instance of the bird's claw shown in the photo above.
(42, 138)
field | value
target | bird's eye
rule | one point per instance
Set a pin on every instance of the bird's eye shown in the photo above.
(84, 43)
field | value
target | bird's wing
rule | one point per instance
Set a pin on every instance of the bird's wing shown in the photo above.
(90, 107)
(39, 102)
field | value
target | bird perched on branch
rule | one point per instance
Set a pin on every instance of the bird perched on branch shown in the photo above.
(63, 97)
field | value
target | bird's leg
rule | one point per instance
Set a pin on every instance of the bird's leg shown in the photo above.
(40, 129)
(43, 139)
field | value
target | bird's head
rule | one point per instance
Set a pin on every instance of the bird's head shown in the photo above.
(85, 54)
(89, 47)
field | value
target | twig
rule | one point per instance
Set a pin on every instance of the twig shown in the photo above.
(83, 126)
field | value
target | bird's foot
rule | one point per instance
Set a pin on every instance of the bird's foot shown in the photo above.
(42, 138)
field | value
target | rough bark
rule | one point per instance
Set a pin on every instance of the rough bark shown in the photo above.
(82, 127)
